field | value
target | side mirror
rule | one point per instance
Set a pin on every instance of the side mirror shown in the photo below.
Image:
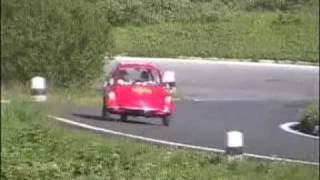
(169, 80)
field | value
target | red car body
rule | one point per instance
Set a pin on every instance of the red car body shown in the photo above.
(136, 98)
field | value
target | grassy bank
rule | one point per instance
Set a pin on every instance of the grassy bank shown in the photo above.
(255, 35)
(86, 96)
(35, 147)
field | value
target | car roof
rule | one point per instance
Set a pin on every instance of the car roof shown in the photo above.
(135, 64)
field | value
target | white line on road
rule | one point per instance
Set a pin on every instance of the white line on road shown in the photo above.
(250, 99)
(225, 99)
(169, 143)
(215, 61)
(287, 127)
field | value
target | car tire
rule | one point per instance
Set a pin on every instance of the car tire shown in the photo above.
(105, 113)
(166, 120)
(123, 118)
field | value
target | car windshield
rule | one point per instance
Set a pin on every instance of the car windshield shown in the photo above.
(137, 76)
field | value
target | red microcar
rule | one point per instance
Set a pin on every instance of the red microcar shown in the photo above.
(135, 89)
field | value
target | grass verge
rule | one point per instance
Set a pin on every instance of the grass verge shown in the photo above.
(85, 96)
(35, 147)
(246, 35)
(81, 96)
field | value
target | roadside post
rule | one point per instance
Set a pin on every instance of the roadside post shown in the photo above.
(170, 79)
(234, 145)
(38, 89)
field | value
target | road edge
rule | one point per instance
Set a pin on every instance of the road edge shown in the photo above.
(286, 127)
(261, 62)
(173, 144)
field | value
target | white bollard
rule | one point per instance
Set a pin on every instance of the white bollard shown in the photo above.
(316, 129)
(38, 89)
(234, 144)
(169, 78)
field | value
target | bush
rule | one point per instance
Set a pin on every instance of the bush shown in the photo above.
(310, 119)
(140, 12)
(64, 41)
(275, 4)
(284, 19)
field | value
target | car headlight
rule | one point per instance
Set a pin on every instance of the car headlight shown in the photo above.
(112, 95)
(166, 109)
(168, 99)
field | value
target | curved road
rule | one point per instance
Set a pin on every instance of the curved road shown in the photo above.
(223, 96)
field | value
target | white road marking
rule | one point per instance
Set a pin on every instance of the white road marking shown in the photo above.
(199, 99)
(225, 99)
(169, 143)
(216, 61)
(287, 127)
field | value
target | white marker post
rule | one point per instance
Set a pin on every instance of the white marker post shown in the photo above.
(234, 145)
(38, 89)
(169, 78)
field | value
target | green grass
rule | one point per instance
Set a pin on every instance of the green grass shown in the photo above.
(254, 35)
(35, 147)
(86, 96)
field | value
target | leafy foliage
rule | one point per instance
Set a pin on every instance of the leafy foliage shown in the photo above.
(227, 29)
(310, 119)
(279, 36)
(62, 40)
(139, 12)
(66, 40)
(276, 4)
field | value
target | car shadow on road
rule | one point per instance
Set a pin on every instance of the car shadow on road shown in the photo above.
(100, 118)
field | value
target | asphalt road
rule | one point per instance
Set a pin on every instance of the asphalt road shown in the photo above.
(250, 98)
(241, 81)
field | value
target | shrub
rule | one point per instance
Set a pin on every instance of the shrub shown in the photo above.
(284, 19)
(64, 41)
(139, 12)
(275, 4)
(310, 118)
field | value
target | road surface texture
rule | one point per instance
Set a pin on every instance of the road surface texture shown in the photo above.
(223, 96)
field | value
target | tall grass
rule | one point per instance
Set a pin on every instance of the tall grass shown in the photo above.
(255, 35)
(257, 29)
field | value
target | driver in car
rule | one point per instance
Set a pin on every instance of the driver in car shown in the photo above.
(123, 78)
(145, 78)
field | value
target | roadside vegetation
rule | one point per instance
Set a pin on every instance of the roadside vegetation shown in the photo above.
(254, 35)
(258, 29)
(310, 119)
(35, 147)
(88, 96)
(66, 41)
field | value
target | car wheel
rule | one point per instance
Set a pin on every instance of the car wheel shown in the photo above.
(166, 120)
(123, 118)
(105, 113)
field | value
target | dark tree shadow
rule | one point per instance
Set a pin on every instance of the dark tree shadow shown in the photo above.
(100, 118)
